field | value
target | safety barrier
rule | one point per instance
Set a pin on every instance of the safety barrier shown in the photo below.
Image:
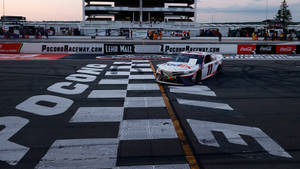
(107, 49)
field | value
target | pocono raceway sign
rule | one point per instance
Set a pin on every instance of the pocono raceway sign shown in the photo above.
(63, 48)
(216, 48)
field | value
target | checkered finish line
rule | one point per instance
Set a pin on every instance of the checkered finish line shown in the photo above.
(146, 139)
(261, 57)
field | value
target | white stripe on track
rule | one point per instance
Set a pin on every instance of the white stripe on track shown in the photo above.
(195, 90)
(140, 61)
(144, 102)
(122, 63)
(141, 77)
(141, 65)
(113, 81)
(147, 129)
(98, 114)
(81, 153)
(142, 70)
(120, 67)
(205, 104)
(147, 86)
(102, 94)
(113, 73)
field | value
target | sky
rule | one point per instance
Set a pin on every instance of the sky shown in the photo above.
(208, 10)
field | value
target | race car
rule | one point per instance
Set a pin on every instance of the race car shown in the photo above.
(189, 68)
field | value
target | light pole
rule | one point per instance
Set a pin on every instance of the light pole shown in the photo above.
(3, 7)
(267, 9)
(141, 11)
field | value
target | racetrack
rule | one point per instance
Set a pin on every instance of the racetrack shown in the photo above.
(115, 116)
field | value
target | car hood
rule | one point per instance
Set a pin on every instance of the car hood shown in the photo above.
(178, 67)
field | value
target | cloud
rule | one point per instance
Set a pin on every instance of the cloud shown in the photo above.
(243, 10)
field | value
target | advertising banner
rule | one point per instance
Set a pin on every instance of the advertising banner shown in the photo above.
(31, 56)
(266, 49)
(285, 49)
(217, 48)
(63, 48)
(246, 49)
(119, 49)
(10, 47)
(148, 49)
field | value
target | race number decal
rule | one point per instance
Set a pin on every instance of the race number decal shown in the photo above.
(209, 71)
(203, 131)
(11, 152)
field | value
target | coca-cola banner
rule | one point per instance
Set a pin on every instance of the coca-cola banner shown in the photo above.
(246, 49)
(298, 49)
(266, 49)
(286, 49)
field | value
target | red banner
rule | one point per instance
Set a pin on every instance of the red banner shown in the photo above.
(10, 47)
(286, 49)
(246, 49)
(31, 56)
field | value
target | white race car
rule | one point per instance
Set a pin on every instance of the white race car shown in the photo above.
(189, 68)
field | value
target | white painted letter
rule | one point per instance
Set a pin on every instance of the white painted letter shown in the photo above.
(81, 78)
(58, 88)
(88, 70)
(31, 105)
(97, 66)
(11, 152)
(203, 131)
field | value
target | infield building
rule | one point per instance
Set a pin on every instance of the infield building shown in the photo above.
(139, 10)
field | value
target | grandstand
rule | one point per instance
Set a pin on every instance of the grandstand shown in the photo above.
(139, 10)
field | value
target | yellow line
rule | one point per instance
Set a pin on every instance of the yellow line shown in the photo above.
(190, 157)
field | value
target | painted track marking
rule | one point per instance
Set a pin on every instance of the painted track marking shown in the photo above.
(190, 157)
(206, 104)
(194, 90)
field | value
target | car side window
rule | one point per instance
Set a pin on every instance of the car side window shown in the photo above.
(207, 59)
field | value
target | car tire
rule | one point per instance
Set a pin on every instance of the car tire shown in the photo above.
(219, 70)
(199, 76)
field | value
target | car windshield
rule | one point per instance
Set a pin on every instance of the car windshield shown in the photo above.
(187, 57)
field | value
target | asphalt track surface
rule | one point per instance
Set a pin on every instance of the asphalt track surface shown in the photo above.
(245, 118)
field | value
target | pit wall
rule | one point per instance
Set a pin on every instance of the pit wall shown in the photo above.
(107, 49)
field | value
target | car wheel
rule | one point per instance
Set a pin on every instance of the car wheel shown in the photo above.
(219, 70)
(199, 76)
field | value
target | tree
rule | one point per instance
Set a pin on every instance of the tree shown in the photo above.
(284, 15)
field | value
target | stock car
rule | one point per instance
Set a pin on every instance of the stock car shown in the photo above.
(189, 68)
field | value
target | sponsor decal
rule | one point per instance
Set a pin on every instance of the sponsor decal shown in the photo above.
(119, 49)
(31, 56)
(286, 49)
(265, 49)
(246, 49)
(184, 66)
(298, 49)
(10, 47)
